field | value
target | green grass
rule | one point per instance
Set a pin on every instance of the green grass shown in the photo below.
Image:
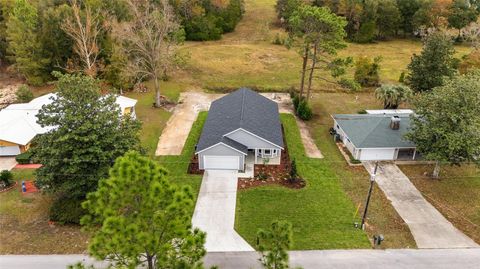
(24, 222)
(321, 214)
(178, 165)
(456, 194)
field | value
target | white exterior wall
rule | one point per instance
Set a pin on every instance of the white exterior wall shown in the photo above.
(251, 141)
(220, 150)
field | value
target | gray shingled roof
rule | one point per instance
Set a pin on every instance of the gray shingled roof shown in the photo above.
(373, 131)
(245, 109)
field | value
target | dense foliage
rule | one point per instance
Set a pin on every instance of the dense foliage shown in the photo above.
(24, 94)
(367, 71)
(393, 95)
(370, 20)
(6, 178)
(436, 61)
(140, 219)
(208, 19)
(88, 134)
(446, 122)
(274, 244)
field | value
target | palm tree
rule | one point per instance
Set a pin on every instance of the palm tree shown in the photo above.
(393, 95)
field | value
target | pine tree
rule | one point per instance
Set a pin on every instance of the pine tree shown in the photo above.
(23, 45)
(274, 244)
(140, 219)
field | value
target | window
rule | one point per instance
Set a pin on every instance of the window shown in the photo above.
(266, 152)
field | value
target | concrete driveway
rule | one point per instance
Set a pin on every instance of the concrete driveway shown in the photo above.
(7, 163)
(429, 228)
(215, 212)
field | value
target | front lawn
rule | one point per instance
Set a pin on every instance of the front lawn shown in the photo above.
(456, 194)
(321, 214)
(24, 224)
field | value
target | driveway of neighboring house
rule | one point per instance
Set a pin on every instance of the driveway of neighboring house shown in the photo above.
(215, 212)
(178, 127)
(429, 228)
(7, 163)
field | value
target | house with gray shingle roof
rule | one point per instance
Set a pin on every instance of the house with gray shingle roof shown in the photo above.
(241, 127)
(375, 136)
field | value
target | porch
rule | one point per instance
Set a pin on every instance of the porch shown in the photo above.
(265, 156)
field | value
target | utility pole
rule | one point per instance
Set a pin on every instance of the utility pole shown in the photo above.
(372, 181)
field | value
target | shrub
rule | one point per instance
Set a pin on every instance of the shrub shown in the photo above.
(278, 40)
(6, 178)
(24, 158)
(366, 33)
(349, 84)
(24, 94)
(401, 79)
(295, 101)
(367, 71)
(67, 210)
(304, 111)
(363, 111)
(293, 172)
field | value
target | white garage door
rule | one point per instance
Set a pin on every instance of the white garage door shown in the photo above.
(221, 162)
(9, 151)
(377, 154)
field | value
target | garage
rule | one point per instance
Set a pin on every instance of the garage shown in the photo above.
(9, 151)
(377, 154)
(221, 162)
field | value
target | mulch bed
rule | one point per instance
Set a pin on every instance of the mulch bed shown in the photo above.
(193, 166)
(9, 187)
(247, 183)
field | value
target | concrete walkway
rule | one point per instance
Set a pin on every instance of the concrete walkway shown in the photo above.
(429, 228)
(215, 212)
(7, 163)
(178, 127)
(313, 259)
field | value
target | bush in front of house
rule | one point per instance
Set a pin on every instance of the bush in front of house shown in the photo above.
(6, 178)
(24, 158)
(67, 210)
(24, 94)
(304, 111)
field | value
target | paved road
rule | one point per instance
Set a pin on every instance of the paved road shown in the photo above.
(325, 259)
(7, 163)
(429, 228)
(215, 212)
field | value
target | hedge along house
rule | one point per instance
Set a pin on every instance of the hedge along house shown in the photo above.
(376, 136)
(18, 122)
(242, 129)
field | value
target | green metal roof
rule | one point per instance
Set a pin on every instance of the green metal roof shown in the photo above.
(373, 130)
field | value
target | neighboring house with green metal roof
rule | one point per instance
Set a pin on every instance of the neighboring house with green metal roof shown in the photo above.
(376, 136)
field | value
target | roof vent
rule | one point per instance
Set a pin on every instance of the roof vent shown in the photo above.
(395, 123)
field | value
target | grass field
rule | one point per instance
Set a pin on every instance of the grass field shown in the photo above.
(24, 224)
(456, 194)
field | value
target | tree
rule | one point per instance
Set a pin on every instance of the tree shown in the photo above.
(23, 45)
(87, 134)
(139, 218)
(274, 244)
(393, 95)
(389, 18)
(435, 62)
(285, 9)
(367, 71)
(446, 122)
(322, 34)
(461, 14)
(293, 171)
(408, 8)
(432, 14)
(84, 29)
(149, 40)
(24, 94)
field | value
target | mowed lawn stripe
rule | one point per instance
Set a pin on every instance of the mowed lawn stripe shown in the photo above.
(321, 214)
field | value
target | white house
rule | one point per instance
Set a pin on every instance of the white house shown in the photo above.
(376, 136)
(18, 122)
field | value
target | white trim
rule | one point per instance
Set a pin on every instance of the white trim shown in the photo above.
(220, 143)
(222, 156)
(389, 148)
(253, 135)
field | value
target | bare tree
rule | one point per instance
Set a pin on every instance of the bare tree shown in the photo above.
(149, 41)
(84, 29)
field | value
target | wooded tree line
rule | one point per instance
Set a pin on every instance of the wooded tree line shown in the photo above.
(41, 36)
(369, 20)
